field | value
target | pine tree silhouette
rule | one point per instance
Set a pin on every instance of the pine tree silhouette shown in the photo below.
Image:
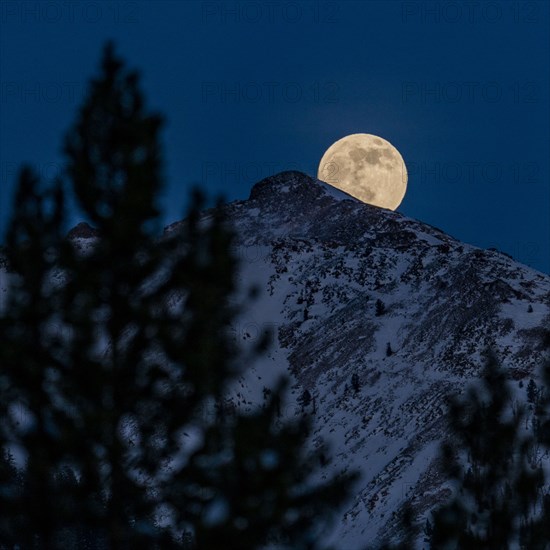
(532, 391)
(355, 383)
(110, 355)
(305, 399)
(498, 498)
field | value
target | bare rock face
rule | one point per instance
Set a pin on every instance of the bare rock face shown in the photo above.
(83, 231)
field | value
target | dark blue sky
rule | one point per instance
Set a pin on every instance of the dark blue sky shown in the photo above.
(252, 88)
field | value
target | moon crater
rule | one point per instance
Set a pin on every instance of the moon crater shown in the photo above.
(366, 167)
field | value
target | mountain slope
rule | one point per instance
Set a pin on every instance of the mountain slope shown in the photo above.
(321, 261)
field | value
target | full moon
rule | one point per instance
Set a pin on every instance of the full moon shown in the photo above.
(366, 167)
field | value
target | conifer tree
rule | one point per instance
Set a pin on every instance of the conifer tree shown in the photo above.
(379, 307)
(305, 399)
(499, 500)
(532, 391)
(109, 355)
(355, 383)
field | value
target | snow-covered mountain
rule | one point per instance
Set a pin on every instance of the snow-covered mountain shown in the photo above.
(378, 375)
(321, 260)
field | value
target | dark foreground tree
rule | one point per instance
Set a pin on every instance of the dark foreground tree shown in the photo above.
(114, 361)
(500, 499)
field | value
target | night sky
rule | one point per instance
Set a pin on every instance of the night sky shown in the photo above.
(253, 88)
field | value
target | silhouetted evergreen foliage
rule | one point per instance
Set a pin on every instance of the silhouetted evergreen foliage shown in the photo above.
(532, 391)
(542, 408)
(355, 383)
(111, 356)
(305, 399)
(428, 530)
(379, 307)
(407, 529)
(499, 500)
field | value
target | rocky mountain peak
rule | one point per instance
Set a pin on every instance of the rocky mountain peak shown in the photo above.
(293, 185)
(294, 205)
